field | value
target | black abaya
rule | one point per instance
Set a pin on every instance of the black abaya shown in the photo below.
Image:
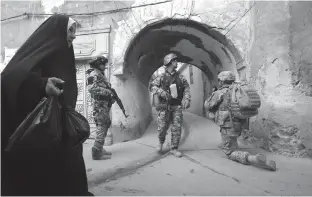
(59, 170)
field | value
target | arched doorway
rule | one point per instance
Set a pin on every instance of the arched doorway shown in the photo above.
(195, 43)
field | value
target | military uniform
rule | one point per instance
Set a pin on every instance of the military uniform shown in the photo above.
(231, 127)
(102, 101)
(172, 113)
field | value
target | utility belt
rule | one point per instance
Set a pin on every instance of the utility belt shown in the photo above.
(175, 102)
(223, 108)
(101, 97)
(164, 106)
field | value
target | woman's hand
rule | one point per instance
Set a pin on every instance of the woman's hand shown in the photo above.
(51, 86)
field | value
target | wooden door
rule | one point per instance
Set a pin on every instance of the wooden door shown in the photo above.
(84, 102)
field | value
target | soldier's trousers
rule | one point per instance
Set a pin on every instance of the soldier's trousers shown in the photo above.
(103, 122)
(174, 116)
(229, 146)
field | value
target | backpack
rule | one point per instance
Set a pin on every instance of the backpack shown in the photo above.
(244, 101)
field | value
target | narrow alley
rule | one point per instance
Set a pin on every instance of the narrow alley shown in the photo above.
(231, 78)
(137, 169)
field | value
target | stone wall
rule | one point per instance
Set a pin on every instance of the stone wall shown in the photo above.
(281, 71)
(14, 32)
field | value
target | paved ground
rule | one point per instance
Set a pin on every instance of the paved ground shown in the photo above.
(208, 173)
(136, 169)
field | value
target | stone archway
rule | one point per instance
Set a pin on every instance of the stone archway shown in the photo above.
(194, 42)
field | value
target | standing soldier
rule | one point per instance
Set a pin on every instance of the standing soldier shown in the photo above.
(171, 104)
(103, 98)
(231, 127)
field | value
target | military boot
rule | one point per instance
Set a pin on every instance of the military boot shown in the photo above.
(98, 154)
(159, 147)
(271, 165)
(260, 161)
(176, 153)
(105, 152)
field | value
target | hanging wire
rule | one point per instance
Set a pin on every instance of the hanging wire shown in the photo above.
(135, 18)
(232, 26)
(240, 18)
(123, 19)
(187, 19)
(25, 14)
(90, 13)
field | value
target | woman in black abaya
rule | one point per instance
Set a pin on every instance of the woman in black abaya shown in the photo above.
(44, 60)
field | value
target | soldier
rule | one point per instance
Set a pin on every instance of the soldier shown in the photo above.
(170, 108)
(103, 99)
(232, 129)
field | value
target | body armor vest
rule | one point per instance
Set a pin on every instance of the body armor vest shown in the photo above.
(166, 86)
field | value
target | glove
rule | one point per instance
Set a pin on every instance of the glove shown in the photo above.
(206, 104)
(124, 112)
(165, 95)
(186, 103)
(51, 88)
(113, 100)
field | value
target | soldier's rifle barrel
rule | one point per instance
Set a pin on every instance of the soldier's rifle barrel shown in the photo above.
(119, 102)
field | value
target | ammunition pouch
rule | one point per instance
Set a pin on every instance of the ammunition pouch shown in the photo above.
(101, 97)
(222, 116)
(211, 115)
(158, 102)
(161, 107)
(236, 127)
(233, 129)
(102, 118)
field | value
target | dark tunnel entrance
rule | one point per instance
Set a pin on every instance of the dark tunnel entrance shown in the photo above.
(195, 43)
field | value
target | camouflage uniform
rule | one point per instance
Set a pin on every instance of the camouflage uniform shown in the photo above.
(102, 102)
(173, 113)
(230, 128)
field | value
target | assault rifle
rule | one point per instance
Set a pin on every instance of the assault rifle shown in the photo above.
(116, 97)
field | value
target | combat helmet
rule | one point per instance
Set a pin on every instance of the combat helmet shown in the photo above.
(226, 76)
(169, 58)
(99, 60)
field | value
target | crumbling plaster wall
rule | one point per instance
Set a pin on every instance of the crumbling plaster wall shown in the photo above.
(274, 41)
(280, 68)
(14, 32)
